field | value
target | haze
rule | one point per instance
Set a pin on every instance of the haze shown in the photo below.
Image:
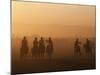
(55, 20)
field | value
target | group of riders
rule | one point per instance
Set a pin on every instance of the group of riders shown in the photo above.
(87, 46)
(38, 49)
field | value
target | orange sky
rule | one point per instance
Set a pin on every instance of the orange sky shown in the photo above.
(56, 20)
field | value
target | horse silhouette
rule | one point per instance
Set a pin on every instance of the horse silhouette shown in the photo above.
(77, 48)
(88, 47)
(24, 47)
(35, 48)
(41, 47)
(49, 48)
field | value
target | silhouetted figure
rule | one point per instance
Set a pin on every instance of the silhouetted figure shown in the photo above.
(35, 48)
(41, 47)
(24, 47)
(88, 47)
(49, 48)
(77, 49)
